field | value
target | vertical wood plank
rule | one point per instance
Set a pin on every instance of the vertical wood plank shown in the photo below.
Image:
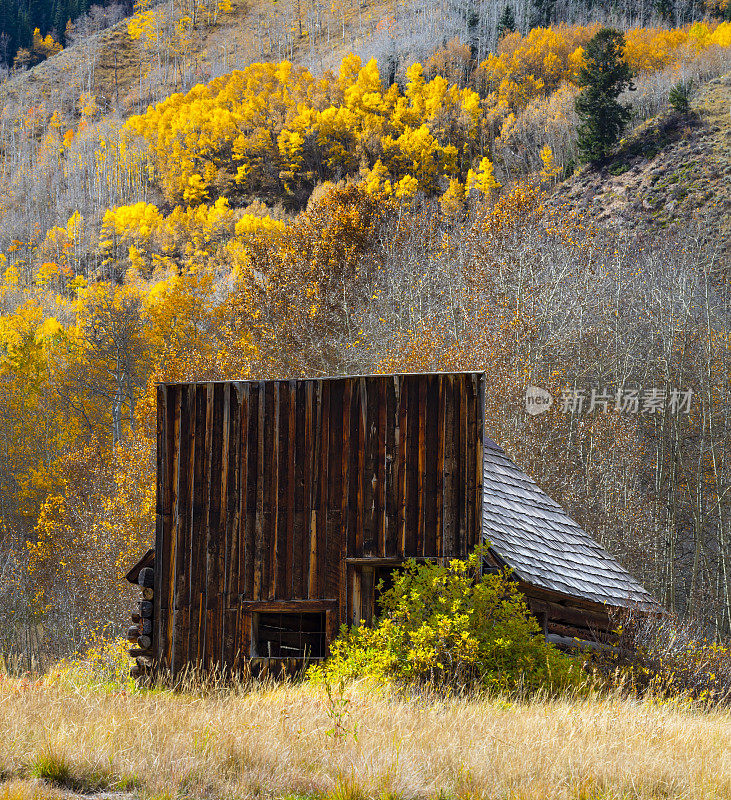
(401, 459)
(412, 466)
(463, 455)
(323, 486)
(380, 493)
(355, 594)
(315, 490)
(271, 490)
(181, 613)
(479, 466)
(431, 447)
(390, 545)
(344, 502)
(247, 560)
(421, 467)
(233, 524)
(471, 458)
(450, 504)
(370, 478)
(196, 552)
(245, 635)
(204, 558)
(290, 448)
(241, 586)
(358, 437)
(160, 633)
(300, 447)
(237, 577)
(259, 518)
(223, 533)
(279, 551)
(439, 489)
(181, 535)
(352, 422)
(331, 567)
(209, 643)
(173, 456)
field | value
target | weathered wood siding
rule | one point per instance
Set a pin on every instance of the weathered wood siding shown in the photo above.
(275, 491)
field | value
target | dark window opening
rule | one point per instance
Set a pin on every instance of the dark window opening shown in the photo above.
(288, 635)
(384, 578)
(368, 584)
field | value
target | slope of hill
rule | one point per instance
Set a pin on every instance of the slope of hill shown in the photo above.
(157, 227)
(671, 171)
(124, 73)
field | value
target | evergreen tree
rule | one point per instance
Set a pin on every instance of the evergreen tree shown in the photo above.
(604, 76)
(506, 23)
(680, 96)
(666, 10)
(543, 13)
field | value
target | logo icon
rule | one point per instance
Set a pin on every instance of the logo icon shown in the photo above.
(537, 400)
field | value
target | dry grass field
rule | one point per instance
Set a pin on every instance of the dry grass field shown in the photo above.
(291, 741)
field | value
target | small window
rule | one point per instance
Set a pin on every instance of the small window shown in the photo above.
(288, 635)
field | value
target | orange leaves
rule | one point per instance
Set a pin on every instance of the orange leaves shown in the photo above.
(297, 293)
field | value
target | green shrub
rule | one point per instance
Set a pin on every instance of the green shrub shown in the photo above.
(680, 96)
(449, 626)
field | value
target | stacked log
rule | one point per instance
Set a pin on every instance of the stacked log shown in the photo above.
(140, 634)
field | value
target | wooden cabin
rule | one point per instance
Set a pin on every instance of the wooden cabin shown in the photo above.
(281, 505)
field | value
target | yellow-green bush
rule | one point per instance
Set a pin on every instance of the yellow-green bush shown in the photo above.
(451, 627)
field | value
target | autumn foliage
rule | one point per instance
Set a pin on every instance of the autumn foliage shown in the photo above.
(272, 223)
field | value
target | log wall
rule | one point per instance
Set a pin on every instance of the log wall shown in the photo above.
(277, 495)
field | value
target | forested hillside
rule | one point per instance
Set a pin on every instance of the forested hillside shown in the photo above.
(405, 192)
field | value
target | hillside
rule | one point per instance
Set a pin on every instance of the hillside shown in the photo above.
(209, 191)
(673, 171)
(124, 74)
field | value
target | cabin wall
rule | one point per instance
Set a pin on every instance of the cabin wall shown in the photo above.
(568, 621)
(282, 495)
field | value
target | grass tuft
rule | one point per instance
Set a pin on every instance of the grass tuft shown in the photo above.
(53, 767)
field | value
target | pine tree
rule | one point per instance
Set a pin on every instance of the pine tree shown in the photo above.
(666, 10)
(680, 95)
(604, 76)
(543, 13)
(506, 23)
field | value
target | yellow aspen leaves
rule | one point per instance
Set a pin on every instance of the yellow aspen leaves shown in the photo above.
(196, 190)
(482, 179)
(11, 276)
(452, 200)
(550, 169)
(406, 187)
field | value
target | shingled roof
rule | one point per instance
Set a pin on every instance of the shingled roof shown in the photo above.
(532, 534)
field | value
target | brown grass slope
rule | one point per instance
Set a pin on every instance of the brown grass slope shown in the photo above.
(672, 171)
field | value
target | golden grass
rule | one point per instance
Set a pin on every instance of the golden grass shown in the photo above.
(29, 790)
(278, 741)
